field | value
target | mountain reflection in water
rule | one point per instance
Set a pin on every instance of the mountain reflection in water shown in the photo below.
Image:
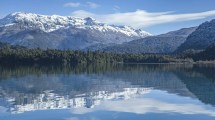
(83, 89)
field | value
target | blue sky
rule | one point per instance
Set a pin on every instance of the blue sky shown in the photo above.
(154, 16)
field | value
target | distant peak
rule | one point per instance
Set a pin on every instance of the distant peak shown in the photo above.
(20, 14)
(49, 23)
(17, 13)
(90, 21)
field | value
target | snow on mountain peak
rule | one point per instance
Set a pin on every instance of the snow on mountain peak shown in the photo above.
(90, 21)
(54, 22)
(63, 32)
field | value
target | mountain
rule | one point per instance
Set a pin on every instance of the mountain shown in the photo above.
(207, 54)
(59, 32)
(164, 43)
(201, 38)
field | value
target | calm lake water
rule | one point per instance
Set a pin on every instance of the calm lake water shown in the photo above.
(106, 92)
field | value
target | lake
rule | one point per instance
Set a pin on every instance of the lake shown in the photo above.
(107, 92)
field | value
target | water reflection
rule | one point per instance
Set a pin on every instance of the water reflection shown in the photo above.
(87, 89)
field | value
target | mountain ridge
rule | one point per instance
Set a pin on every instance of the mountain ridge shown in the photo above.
(61, 30)
(72, 33)
(201, 38)
(164, 43)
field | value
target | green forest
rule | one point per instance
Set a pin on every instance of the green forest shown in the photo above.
(21, 55)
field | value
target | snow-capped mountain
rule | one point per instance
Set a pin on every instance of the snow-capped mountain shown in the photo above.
(61, 32)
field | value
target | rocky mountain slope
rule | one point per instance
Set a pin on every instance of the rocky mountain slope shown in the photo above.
(164, 43)
(58, 32)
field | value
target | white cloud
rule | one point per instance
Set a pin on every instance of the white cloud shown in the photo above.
(92, 5)
(72, 4)
(83, 14)
(148, 105)
(142, 18)
(77, 4)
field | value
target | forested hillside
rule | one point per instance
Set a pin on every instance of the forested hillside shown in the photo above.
(206, 55)
(20, 55)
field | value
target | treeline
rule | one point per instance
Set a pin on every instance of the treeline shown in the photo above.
(21, 55)
(200, 56)
(206, 55)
